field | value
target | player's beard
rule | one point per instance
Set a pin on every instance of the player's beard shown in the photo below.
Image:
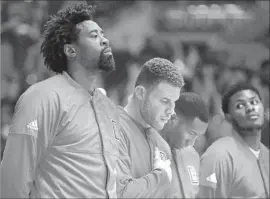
(106, 62)
(148, 116)
(144, 111)
(246, 130)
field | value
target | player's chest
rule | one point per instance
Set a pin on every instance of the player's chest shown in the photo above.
(185, 169)
(248, 179)
(85, 129)
(142, 151)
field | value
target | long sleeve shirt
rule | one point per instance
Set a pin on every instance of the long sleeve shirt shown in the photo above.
(62, 143)
(136, 176)
(230, 170)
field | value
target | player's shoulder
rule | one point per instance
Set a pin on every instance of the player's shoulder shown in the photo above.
(128, 127)
(125, 122)
(264, 152)
(47, 86)
(58, 87)
(125, 119)
(190, 153)
(225, 146)
(39, 92)
(264, 148)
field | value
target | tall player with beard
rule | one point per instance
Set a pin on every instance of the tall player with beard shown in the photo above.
(237, 166)
(62, 139)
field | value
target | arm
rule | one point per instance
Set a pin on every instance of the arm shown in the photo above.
(215, 175)
(154, 184)
(26, 143)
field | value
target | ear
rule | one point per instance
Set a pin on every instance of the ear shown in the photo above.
(69, 51)
(140, 92)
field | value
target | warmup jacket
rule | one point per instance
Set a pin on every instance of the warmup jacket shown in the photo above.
(185, 172)
(62, 143)
(135, 173)
(230, 170)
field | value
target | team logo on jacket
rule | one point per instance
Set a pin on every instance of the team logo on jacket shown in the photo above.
(212, 178)
(193, 175)
(163, 155)
(32, 128)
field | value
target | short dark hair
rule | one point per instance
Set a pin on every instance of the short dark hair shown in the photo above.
(158, 69)
(233, 90)
(191, 105)
(61, 29)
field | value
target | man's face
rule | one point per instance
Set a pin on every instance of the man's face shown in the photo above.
(158, 104)
(92, 48)
(246, 110)
(183, 132)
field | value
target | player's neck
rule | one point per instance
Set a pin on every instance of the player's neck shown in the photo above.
(82, 77)
(253, 138)
(133, 110)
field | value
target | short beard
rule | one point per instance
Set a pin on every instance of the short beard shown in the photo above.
(246, 130)
(106, 62)
(143, 110)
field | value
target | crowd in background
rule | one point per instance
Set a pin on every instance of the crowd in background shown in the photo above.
(22, 64)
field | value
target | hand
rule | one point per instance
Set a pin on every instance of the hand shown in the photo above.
(162, 164)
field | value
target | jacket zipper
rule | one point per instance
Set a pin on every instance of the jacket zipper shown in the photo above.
(101, 138)
(264, 185)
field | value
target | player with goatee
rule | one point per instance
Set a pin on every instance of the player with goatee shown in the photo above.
(62, 141)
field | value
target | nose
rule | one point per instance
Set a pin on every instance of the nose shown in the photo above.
(170, 109)
(105, 42)
(249, 108)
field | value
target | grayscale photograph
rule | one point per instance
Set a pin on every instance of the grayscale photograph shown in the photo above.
(135, 99)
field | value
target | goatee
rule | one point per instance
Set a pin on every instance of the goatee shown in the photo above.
(246, 130)
(106, 62)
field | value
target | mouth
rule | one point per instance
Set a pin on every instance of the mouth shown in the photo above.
(107, 50)
(253, 116)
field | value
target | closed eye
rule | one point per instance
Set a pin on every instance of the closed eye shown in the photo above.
(94, 35)
(165, 101)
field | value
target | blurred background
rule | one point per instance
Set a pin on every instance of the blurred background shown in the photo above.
(216, 44)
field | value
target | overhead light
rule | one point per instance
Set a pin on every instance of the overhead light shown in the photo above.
(215, 8)
(191, 9)
(233, 9)
(202, 9)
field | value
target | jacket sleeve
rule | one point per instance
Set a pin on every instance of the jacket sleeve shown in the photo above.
(215, 175)
(152, 185)
(29, 134)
